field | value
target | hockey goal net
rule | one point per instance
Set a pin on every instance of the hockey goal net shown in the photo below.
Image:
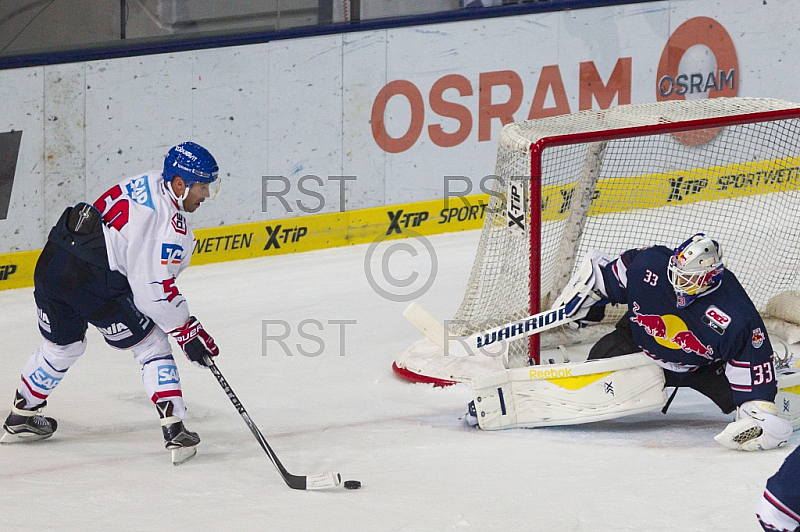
(633, 176)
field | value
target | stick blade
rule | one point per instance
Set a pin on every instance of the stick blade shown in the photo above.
(425, 323)
(323, 481)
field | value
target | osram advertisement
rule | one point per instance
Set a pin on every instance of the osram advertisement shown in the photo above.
(363, 120)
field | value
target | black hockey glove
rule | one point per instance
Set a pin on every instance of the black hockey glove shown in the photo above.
(195, 342)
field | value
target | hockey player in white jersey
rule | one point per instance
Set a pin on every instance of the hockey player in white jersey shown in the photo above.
(113, 264)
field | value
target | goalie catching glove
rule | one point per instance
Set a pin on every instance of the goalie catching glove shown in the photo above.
(757, 428)
(195, 342)
(585, 291)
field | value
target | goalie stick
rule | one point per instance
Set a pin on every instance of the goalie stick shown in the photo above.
(424, 322)
(296, 482)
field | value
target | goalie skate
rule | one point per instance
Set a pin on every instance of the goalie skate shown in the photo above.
(24, 425)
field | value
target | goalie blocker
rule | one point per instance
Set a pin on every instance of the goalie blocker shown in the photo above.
(568, 394)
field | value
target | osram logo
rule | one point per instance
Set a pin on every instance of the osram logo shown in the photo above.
(698, 59)
(400, 110)
(168, 375)
(44, 380)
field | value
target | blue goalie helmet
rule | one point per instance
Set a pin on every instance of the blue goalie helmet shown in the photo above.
(192, 162)
(695, 267)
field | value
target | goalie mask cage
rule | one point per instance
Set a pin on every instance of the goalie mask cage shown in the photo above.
(633, 176)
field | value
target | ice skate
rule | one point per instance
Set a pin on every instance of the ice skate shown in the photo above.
(24, 425)
(179, 440)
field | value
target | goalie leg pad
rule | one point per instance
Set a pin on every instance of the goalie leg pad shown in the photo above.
(568, 394)
(787, 401)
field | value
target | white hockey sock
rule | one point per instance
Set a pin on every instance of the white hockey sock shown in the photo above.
(162, 382)
(160, 376)
(45, 369)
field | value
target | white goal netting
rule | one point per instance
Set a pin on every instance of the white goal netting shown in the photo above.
(633, 176)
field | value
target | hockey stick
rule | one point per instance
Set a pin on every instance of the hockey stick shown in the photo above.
(424, 322)
(296, 482)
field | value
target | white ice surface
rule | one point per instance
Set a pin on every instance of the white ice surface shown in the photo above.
(344, 410)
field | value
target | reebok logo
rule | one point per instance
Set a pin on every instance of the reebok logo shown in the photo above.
(9, 152)
(550, 373)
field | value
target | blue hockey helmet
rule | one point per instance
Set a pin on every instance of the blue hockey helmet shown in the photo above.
(695, 267)
(192, 162)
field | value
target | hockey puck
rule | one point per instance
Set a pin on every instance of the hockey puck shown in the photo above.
(352, 484)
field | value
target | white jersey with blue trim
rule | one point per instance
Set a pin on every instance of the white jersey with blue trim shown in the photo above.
(148, 240)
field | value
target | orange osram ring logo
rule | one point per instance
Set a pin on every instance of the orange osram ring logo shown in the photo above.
(671, 84)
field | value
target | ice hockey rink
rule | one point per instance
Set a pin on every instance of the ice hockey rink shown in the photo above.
(341, 408)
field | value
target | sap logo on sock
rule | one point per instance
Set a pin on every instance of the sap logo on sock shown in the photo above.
(171, 254)
(168, 375)
(139, 191)
(44, 380)
(115, 332)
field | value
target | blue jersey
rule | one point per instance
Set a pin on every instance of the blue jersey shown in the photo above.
(779, 507)
(720, 324)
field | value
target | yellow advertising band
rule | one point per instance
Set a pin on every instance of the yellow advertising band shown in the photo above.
(299, 234)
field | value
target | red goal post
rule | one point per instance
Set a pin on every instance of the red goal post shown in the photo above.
(633, 176)
(692, 124)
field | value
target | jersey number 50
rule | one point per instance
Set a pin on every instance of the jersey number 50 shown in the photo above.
(115, 208)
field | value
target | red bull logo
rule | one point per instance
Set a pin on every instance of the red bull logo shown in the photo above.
(689, 343)
(653, 324)
(670, 331)
(758, 338)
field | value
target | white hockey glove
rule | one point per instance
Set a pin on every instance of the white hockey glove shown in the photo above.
(584, 289)
(757, 428)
